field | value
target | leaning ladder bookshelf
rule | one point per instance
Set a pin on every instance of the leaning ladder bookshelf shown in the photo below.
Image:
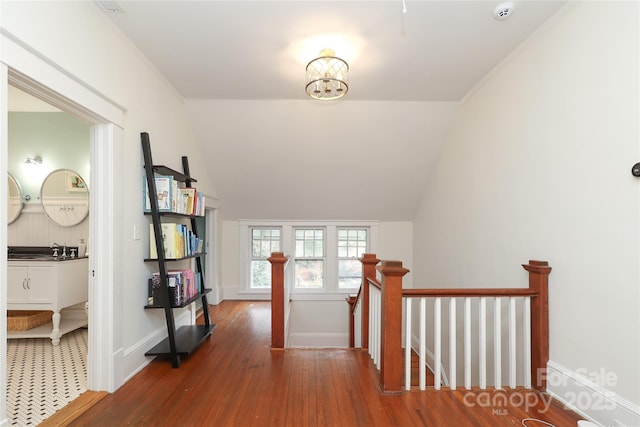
(186, 339)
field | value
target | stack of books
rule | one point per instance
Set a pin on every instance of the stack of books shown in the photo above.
(179, 241)
(184, 285)
(172, 198)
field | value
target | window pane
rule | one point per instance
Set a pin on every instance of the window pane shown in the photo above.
(264, 241)
(342, 250)
(309, 274)
(260, 274)
(349, 273)
(265, 248)
(352, 244)
(309, 243)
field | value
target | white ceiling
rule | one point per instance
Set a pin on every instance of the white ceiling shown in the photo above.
(436, 51)
(300, 160)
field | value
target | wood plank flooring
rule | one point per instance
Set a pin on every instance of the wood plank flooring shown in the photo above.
(235, 379)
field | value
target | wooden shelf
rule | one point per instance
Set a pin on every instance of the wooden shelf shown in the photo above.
(187, 339)
(184, 304)
(167, 213)
(165, 170)
(44, 331)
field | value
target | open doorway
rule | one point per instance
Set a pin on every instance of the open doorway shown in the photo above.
(48, 152)
(104, 120)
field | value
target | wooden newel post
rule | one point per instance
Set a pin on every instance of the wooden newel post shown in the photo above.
(369, 262)
(351, 300)
(539, 281)
(391, 328)
(277, 261)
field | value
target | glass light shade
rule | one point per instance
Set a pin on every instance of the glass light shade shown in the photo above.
(327, 76)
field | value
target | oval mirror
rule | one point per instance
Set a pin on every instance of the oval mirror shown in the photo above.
(65, 197)
(15, 200)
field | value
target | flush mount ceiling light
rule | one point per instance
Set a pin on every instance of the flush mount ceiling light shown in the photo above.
(327, 76)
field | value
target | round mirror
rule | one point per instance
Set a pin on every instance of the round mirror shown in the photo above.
(15, 200)
(65, 197)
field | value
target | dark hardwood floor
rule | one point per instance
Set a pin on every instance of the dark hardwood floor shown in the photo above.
(235, 379)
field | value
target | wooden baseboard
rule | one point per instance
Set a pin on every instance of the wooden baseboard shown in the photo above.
(74, 409)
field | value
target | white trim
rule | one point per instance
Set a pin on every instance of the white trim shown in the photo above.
(34, 73)
(287, 227)
(134, 359)
(590, 400)
(37, 75)
(102, 360)
(4, 191)
(212, 278)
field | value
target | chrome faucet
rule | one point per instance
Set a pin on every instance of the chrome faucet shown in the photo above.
(55, 247)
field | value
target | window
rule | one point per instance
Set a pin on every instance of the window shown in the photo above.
(323, 256)
(352, 244)
(309, 258)
(263, 242)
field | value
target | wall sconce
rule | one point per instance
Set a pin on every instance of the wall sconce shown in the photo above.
(32, 174)
(33, 161)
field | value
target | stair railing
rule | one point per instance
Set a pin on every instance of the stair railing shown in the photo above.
(391, 308)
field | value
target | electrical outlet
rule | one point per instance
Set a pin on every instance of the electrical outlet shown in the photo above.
(136, 232)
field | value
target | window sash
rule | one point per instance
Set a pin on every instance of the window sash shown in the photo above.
(309, 258)
(352, 244)
(263, 241)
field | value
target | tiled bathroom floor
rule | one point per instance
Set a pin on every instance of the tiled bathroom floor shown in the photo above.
(42, 378)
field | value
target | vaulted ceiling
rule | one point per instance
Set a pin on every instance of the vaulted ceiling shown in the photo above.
(240, 66)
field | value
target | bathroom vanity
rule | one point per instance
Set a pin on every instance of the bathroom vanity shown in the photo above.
(47, 283)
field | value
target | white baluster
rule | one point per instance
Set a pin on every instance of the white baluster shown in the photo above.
(482, 343)
(452, 343)
(437, 337)
(423, 343)
(497, 343)
(527, 342)
(467, 343)
(407, 344)
(512, 342)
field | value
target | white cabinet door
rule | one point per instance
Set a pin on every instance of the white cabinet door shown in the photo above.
(17, 284)
(42, 283)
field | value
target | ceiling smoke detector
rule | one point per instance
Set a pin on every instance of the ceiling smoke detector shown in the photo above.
(503, 11)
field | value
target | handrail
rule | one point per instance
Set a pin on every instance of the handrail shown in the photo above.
(373, 281)
(390, 318)
(470, 292)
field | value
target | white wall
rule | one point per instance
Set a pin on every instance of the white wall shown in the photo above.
(63, 142)
(537, 166)
(80, 40)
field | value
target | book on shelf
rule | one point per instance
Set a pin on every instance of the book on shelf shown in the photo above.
(173, 198)
(166, 187)
(183, 285)
(187, 200)
(178, 241)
